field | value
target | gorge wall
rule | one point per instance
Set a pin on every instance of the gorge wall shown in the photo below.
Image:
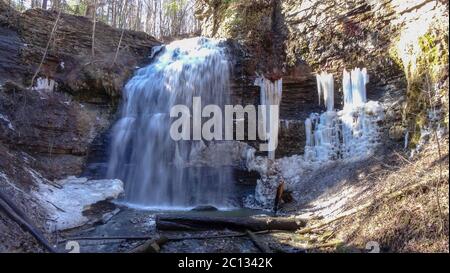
(49, 132)
(293, 39)
(57, 127)
(46, 132)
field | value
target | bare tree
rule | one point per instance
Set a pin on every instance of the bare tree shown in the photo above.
(94, 17)
(159, 18)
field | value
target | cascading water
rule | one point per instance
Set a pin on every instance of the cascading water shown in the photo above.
(152, 165)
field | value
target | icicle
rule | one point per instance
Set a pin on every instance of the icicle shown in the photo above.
(270, 94)
(347, 90)
(347, 133)
(325, 87)
(406, 140)
(359, 79)
(366, 76)
(44, 84)
(329, 92)
(319, 88)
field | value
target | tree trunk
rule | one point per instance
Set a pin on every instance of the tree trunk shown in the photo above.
(90, 9)
(56, 4)
(93, 29)
(194, 222)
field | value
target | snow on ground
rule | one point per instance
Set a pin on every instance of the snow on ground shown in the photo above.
(65, 204)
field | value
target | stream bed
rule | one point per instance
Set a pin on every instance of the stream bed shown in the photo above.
(130, 222)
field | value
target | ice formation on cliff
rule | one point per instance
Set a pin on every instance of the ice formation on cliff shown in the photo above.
(348, 134)
(270, 94)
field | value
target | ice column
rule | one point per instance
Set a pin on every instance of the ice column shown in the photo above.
(359, 79)
(270, 95)
(347, 90)
(325, 88)
(350, 132)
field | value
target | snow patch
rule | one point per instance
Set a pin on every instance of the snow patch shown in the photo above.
(66, 204)
(8, 122)
(45, 84)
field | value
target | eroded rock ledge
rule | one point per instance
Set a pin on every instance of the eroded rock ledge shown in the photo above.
(58, 124)
(46, 132)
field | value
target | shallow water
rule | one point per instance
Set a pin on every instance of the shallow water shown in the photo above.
(139, 222)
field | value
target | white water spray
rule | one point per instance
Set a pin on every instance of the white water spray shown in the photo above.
(152, 165)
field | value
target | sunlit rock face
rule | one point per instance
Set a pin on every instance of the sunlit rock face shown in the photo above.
(153, 166)
(393, 39)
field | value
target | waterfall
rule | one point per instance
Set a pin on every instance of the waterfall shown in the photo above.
(153, 166)
(350, 132)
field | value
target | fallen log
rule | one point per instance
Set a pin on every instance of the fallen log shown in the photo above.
(252, 223)
(150, 246)
(258, 243)
(143, 238)
(15, 214)
(219, 236)
(105, 238)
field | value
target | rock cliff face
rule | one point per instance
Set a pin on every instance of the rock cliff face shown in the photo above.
(257, 36)
(395, 40)
(312, 36)
(69, 59)
(57, 124)
(46, 132)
